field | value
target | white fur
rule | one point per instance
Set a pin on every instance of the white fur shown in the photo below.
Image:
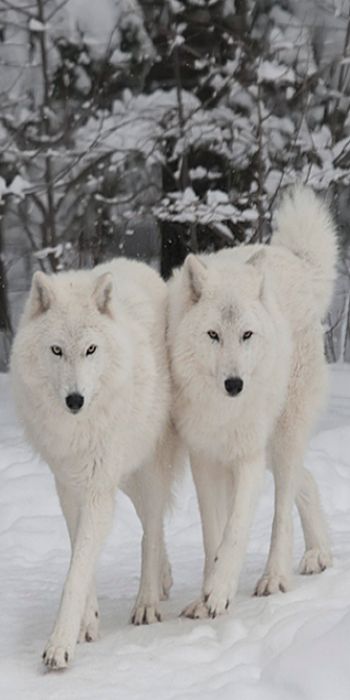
(121, 437)
(280, 292)
(305, 226)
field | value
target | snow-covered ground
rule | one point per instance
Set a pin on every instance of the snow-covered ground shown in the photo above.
(287, 647)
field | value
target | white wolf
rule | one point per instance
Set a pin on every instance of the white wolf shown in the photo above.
(249, 376)
(91, 384)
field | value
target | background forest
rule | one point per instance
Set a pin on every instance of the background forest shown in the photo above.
(157, 127)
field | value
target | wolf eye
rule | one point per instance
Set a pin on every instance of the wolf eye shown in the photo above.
(247, 335)
(213, 335)
(91, 349)
(56, 350)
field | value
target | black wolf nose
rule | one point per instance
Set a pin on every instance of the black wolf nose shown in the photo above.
(74, 402)
(234, 385)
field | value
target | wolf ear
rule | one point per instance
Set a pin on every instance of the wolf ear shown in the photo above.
(103, 293)
(197, 274)
(256, 260)
(265, 291)
(41, 294)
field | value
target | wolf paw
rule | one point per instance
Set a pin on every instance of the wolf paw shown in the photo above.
(272, 583)
(196, 610)
(217, 602)
(144, 614)
(315, 560)
(89, 626)
(218, 587)
(57, 657)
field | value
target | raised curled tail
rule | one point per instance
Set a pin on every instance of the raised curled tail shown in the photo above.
(305, 226)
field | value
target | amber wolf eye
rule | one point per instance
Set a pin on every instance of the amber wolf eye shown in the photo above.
(213, 335)
(247, 335)
(91, 349)
(56, 350)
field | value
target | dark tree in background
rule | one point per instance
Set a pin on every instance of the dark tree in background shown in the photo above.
(255, 110)
(165, 127)
(197, 48)
(62, 162)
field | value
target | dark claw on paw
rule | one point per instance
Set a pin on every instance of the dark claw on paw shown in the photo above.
(206, 598)
(66, 657)
(96, 613)
(88, 638)
(227, 604)
(44, 655)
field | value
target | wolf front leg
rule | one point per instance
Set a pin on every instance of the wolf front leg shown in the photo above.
(94, 522)
(70, 503)
(214, 492)
(221, 584)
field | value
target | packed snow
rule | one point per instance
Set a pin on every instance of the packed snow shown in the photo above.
(286, 647)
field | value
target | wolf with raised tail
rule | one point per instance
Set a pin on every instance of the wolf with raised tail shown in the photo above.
(91, 384)
(249, 379)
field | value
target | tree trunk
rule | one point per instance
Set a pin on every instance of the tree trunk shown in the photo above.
(173, 247)
(6, 331)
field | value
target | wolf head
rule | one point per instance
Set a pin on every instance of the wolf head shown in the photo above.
(68, 342)
(226, 337)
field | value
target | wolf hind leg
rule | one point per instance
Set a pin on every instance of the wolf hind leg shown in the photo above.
(305, 396)
(150, 493)
(317, 555)
(166, 577)
(286, 460)
(294, 483)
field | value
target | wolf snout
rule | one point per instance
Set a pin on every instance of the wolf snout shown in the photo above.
(74, 402)
(233, 385)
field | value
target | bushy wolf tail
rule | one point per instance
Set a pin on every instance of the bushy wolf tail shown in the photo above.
(305, 226)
